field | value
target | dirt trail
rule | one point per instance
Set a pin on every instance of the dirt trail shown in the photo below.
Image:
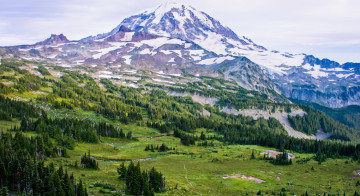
(186, 178)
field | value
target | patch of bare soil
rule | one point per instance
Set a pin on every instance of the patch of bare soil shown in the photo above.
(38, 92)
(273, 154)
(140, 160)
(357, 172)
(57, 74)
(9, 83)
(206, 113)
(249, 178)
(203, 100)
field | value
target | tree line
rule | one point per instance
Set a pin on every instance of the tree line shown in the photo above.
(313, 120)
(141, 182)
(23, 170)
(68, 130)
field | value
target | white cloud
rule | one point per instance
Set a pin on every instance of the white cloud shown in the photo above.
(307, 26)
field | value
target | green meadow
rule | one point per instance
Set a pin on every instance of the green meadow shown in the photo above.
(195, 170)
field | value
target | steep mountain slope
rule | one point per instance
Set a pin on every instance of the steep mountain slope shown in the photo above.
(176, 38)
(248, 75)
(299, 76)
(133, 50)
(349, 115)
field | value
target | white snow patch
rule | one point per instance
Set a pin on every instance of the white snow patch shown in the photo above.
(163, 81)
(36, 48)
(64, 65)
(187, 45)
(334, 69)
(106, 72)
(216, 60)
(147, 51)
(164, 76)
(167, 52)
(52, 56)
(105, 76)
(127, 59)
(133, 85)
(316, 72)
(160, 72)
(114, 46)
(155, 43)
(197, 54)
(343, 75)
(128, 36)
(307, 66)
(24, 50)
(212, 42)
(274, 62)
(79, 62)
(109, 76)
(131, 71)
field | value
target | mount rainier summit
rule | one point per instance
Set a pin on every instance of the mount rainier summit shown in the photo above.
(175, 39)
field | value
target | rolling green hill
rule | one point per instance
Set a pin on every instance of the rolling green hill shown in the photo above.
(91, 129)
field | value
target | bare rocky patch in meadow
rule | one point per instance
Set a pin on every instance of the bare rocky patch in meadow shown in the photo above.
(249, 178)
(274, 154)
(356, 174)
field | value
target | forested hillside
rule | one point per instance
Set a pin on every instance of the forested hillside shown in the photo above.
(75, 122)
(349, 116)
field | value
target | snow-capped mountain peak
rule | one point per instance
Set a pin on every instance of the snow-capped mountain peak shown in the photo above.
(184, 22)
(162, 9)
(178, 36)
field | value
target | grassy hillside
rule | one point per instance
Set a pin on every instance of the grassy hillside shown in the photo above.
(207, 152)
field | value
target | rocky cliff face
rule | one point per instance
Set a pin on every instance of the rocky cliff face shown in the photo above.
(54, 39)
(344, 97)
(248, 75)
(324, 82)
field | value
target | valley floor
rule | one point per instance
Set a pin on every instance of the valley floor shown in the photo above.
(195, 170)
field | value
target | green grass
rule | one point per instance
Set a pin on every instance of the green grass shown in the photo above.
(206, 166)
(4, 125)
(206, 174)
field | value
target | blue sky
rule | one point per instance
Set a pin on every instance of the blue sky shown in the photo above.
(324, 28)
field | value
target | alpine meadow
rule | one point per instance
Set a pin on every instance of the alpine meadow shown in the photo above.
(171, 102)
